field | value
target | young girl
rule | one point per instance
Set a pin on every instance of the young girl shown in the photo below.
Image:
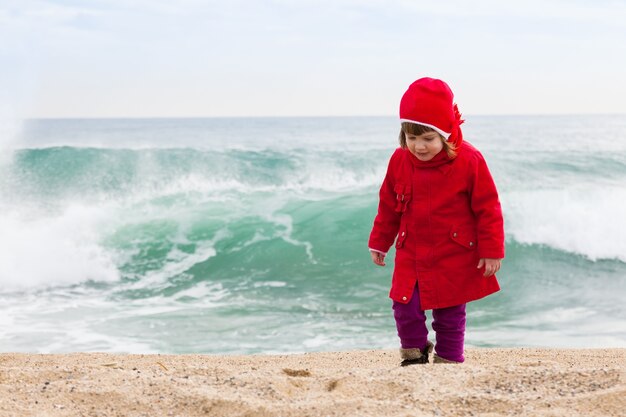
(440, 202)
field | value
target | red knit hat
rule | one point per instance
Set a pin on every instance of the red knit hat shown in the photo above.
(429, 102)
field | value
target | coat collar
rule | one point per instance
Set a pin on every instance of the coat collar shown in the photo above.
(440, 161)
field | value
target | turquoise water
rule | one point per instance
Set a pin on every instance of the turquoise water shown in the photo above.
(250, 235)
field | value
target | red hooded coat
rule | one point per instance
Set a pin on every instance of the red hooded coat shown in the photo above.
(446, 215)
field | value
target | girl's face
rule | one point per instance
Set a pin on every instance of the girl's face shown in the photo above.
(424, 146)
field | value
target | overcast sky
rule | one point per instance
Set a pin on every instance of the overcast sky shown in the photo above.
(187, 58)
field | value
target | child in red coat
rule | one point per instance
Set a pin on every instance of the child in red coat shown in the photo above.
(439, 203)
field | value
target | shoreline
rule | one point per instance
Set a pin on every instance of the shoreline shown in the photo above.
(491, 382)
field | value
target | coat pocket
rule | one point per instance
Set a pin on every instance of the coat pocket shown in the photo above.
(464, 236)
(403, 196)
(401, 236)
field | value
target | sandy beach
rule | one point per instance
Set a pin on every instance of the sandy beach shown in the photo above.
(492, 382)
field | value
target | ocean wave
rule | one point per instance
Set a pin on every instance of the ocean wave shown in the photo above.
(585, 219)
(150, 243)
(108, 215)
(60, 173)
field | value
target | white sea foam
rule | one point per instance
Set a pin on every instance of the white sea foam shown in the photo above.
(330, 179)
(285, 231)
(177, 263)
(340, 173)
(203, 292)
(83, 338)
(271, 284)
(317, 341)
(586, 219)
(554, 326)
(52, 250)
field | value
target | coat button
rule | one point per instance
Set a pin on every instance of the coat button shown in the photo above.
(403, 233)
(403, 298)
(454, 234)
(471, 243)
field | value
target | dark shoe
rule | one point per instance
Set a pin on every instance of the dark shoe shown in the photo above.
(415, 356)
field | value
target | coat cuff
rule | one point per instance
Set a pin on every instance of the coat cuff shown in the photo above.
(376, 250)
(379, 245)
(491, 253)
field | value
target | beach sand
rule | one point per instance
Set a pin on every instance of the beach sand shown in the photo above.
(492, 382)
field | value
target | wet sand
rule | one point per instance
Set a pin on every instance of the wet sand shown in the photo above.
(492, 382)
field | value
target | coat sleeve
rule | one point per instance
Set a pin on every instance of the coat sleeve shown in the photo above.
(488, 211)
(387, 221)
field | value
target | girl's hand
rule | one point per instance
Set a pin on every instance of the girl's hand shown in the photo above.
(378, 258)
(491, 265)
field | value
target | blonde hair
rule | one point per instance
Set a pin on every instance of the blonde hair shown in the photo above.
(417, 129)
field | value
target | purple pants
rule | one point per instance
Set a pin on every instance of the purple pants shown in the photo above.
(448, 324)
